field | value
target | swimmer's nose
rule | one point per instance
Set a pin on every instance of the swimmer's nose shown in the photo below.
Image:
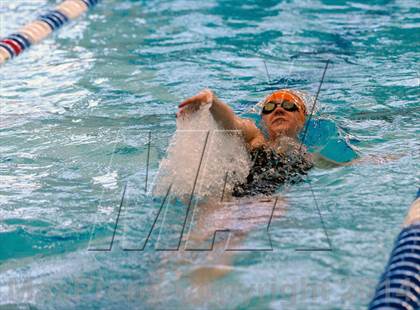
(279, 110)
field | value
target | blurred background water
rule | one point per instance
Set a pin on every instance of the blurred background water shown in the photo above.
(75, 112)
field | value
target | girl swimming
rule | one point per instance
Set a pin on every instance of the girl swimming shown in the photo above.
(277, 157)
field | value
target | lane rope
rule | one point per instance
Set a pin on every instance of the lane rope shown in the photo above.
(36, 31)
(399, 285)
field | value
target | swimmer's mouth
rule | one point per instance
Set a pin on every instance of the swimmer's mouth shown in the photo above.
(278, 120)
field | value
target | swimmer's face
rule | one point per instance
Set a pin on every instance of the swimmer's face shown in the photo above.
(282, 122)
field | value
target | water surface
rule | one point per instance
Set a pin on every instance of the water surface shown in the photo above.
(75, 109)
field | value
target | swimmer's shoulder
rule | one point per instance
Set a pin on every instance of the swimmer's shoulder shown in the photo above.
(252, 134)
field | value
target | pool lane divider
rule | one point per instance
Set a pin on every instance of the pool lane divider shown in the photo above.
(399, 286)
(33, 33)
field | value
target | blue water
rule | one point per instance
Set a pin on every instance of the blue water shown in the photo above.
(75, 112)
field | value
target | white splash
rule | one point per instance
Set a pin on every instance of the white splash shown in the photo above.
(200, 142)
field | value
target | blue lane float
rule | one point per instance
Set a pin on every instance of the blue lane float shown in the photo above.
(24, 42)
(399, 285)
(33, 33)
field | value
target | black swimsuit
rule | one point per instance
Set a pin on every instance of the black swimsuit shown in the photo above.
(270, 169)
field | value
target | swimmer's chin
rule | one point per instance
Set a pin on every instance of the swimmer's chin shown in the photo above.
(279, 127)
(278, 121)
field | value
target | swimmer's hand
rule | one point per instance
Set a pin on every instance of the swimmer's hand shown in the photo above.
(194, 103)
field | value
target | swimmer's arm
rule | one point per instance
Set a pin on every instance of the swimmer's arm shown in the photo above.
(224, 116)
(324, 162)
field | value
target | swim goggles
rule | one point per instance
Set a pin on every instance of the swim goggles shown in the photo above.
(270, 106)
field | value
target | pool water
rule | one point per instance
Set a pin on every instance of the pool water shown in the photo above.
(76, 112)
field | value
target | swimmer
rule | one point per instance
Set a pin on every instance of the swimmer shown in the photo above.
(277, 158)
(283, 114)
